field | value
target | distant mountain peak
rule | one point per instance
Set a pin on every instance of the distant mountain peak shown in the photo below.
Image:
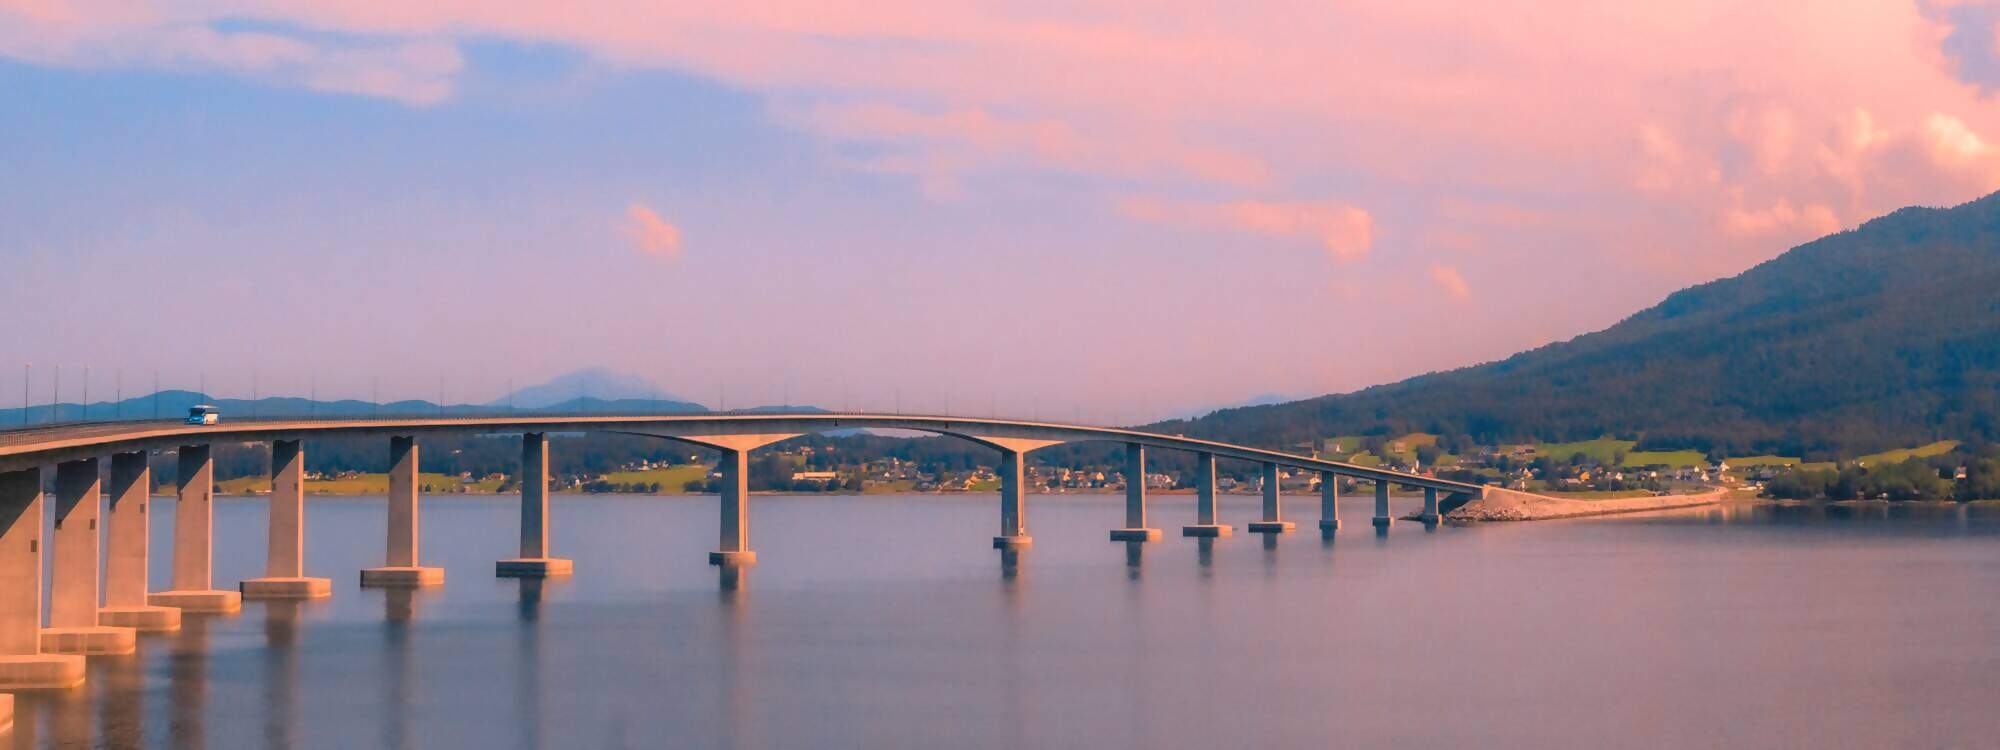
(593, 383)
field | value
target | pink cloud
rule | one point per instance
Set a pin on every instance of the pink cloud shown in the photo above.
(652, 235)
(1453, 282)
(1343, 231)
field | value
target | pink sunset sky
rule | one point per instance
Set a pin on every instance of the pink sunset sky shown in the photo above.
(1111, 210)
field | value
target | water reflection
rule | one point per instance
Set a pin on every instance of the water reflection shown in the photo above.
(1205, 556)
(1135, 559)
(529, 703)
(1010, 564)
(731, 579)
(1270, 554)
(187, 684)
(399, 607)
(281, 671)
(1326, 536)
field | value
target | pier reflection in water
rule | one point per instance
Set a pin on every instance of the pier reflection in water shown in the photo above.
(899, 634)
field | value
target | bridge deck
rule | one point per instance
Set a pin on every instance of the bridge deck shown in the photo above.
(30, 446)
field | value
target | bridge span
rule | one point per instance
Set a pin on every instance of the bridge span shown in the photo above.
(86, 619)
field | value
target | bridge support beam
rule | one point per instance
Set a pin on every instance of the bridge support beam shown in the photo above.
(405, 530)
(1204, 500)
(73, 627)
(1135, 499)
(1430, 515)
(1329, 501)
(22, 663)
(125, 553)
(734, 499)
(1272, 521)
(1382, 518)
(1013, 503)
(285, 553)
(534, 561)
(194, 538)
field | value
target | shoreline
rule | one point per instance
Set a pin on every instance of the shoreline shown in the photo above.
(1508, 505)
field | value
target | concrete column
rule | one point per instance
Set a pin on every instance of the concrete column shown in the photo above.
(1013, 505)
(73, 627)
(401, 568)
(285, 552)
(1430, 506)
(194, 533)
(1135, 498)
(126, 542)
(1204, 501)
(734, 499)
(22, 663)
(1382, 518)
(1329, 501)
(534, 561)
(1273, 521)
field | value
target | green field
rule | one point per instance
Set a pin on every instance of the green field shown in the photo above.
(1670, 459)
(671, 479)
(1601, 450)
(1938, 448)
(363, 484)
(1745, 462)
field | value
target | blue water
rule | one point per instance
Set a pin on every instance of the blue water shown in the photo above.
(890, 622)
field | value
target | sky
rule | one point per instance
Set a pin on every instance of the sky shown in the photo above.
(1108, 211)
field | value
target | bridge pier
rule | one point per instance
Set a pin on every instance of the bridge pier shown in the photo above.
(1382, 518)
(534, 561)
(23, 665)
(1204, 502)
(126, 549)
(735, 501)
(1430, 515)
(73, 627)
(1329, 501)
(1135, 499)
(284, 557)
(194, 538)
(401, 569)
(1013, 509)
(1273, 521)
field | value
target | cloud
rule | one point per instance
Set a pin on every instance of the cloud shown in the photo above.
(652, 235)
(1345, 233)
(1451, 281)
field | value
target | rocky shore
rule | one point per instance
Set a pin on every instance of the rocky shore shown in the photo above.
(1508, 505)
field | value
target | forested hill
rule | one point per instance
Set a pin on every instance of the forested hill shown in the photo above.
(1884, 336)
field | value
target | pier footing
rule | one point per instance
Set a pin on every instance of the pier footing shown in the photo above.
(197, 601)
(1330, 524)
(143, 618)
(401, 576)
(1210, 530)
(286, 588)
(533, 567)
(92, 641)
(1013, 542)
(1135, 535)
(40, 671)
(733, 559)
(1272, 527)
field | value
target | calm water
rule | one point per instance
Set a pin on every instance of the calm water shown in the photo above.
(888, 622)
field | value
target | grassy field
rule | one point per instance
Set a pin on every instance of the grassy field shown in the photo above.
(1938, 448)
(671, 479)
(1601, 450)
(363, 484)
(1671, 459)
(1764, 460)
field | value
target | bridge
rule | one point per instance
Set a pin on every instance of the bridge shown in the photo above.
(85, 619)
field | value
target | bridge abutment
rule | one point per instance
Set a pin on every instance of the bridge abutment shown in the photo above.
(126, 550)
(1272, 521)
(194, 538)
(23, 665)
(1329, 501)
(534, 561)
(73, 627)
(1205, 524)
(1135, 499)
(401, 568)
(284, 555)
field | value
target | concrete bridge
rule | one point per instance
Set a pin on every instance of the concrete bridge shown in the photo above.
(86, 621)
